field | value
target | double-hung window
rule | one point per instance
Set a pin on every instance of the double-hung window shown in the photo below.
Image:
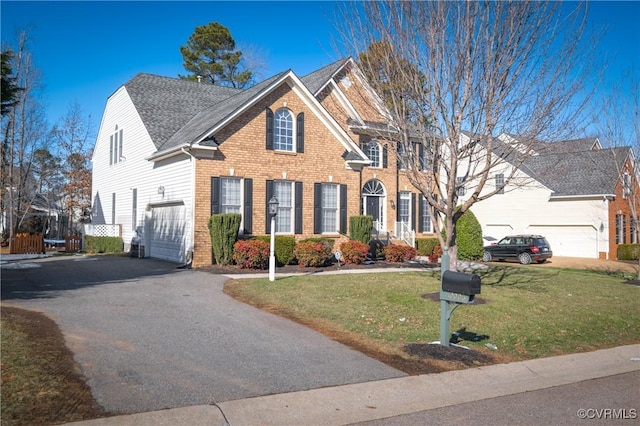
(115, 147)
(425, 215)
(230, 195)
(461, 190)
(621, 229)
(330, 208)
(283, 191)
(500, 183)
(404, 207)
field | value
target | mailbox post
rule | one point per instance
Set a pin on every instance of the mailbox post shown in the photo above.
(456, 289)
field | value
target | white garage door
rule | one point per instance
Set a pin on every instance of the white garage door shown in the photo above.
(167, 232)
(570, 241)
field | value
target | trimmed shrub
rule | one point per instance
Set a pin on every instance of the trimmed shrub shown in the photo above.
(224, 234)
(329, 242)
(251, 254)
(103, 244)
(360, 228)
(284, 246)
(398, 253)
(310, 253)
(628, 251)
(437, 253)
(469, 237)
(426, 245)
(354, 252)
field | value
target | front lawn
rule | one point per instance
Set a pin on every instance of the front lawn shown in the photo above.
(526, 312)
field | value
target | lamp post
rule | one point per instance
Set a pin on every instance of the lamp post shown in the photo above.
(273, 211)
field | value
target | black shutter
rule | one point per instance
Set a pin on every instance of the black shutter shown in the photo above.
(385, 154)
(421, 210)
(343, 209)
(421, 159)
(414, 216)
(398, 207)
(298, 208)
(300, 133)
(248, 206)
(215, 195)
(269, 130)
(317, 208)
(266, 207)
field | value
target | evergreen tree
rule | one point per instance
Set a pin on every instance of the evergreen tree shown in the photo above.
(211, 54)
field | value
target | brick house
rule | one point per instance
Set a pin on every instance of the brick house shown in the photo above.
(171, 152)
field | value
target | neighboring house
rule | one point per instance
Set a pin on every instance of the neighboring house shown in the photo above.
(572, 192)
(170, 153)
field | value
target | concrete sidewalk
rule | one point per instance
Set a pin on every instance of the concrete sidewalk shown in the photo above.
(394, 397)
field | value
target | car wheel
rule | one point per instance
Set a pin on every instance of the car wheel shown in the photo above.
(524, 258)
(486, 257)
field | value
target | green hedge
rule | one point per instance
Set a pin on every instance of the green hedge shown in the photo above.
(284, 246)
(469, 237)
(425, 246)
(628, 252)
(360, 228)
(327, 241)
(224, 234)
(103, 244)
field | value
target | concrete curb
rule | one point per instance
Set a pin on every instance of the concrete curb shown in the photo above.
(393, 397)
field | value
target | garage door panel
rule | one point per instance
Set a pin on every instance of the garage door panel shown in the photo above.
(168, 229)
(570, 241)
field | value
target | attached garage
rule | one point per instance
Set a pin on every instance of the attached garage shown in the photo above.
(570, 240)
(166, 230)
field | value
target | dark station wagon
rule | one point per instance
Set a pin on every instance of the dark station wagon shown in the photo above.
(524, 248)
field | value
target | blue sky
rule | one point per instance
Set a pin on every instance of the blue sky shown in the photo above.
(85, 50)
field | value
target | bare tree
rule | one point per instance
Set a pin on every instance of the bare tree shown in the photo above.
(456, 75)
(72, 138)
(24, 131)
(619, 126)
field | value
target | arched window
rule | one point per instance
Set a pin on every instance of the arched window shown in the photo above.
(373, 152)
(283, 130)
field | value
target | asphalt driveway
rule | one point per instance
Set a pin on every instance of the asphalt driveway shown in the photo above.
(149, 336)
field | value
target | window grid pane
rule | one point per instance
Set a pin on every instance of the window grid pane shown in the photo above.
(284, 193)
(330, 208)
(230, 195)
(283, 130)
(426, 216)
(405, 208)
(374, 154)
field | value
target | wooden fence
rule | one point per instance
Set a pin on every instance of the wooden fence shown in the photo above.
(27, 244)
(72, 243)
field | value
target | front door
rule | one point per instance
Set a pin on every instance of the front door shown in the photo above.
(373, 207)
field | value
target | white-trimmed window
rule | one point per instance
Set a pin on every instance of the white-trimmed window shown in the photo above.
(500, 183)
(462, 191)
(283, 191)
(404, 207)
(425, 215)
(230, 195)
(283, 130)
(374, 153)
(330, 214)
(116, 153)
(626, 185)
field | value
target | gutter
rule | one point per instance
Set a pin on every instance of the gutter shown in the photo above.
(163, 155)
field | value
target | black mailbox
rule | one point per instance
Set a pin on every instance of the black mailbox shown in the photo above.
(459, 287)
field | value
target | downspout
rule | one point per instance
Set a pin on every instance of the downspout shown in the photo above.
(189, 253)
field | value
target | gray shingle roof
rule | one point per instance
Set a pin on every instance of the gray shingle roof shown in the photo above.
(317, 79)
(167, 104)
(208, 118)
(586, 172)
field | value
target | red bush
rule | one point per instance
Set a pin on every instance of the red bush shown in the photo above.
(397, 253)
(251, 254)
(310, 253)
(437, 253)
(354, 251)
